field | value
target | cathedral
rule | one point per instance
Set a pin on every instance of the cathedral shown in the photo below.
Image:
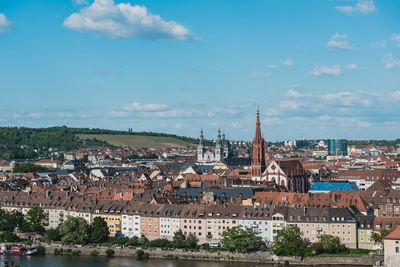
(221, 152)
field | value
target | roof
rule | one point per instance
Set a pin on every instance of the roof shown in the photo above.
(393, 235)
(334, 187)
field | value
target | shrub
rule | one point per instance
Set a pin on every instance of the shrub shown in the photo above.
(40, 250)
(110, 252)
(94, 253)
(76, 252)
(141, 255)
(68, 251)
(58, 251)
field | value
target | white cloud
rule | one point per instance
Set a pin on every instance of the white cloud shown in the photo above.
(118, 114)
(5, 24)
(296, 94)
(339, 42)
(136, 106)
(381, 44)
(80, 2)
(396, 38)
(351, 67)
(395, 96)
(326, 71)
(254, 75)
(288, 62)
(35, 115)
(391, 62)
(123, 20)
(236, 125)
(272, 66)
(348, 99)
(271, 121)
(215, 69)
(290, 104)
(361, 7)
(178, 125)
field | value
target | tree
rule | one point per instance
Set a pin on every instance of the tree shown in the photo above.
(8, 236)
(191, 241)
(240, 240)
(289, 242)
(99, 230)
(110, 252)
(28, 167)
(36, 218)
(74, 230)
(10, 220)
(52, 235)
(378, 237)
(331, 244)
(179, 239)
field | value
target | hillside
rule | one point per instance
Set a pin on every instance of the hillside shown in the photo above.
(137, 141)
(34, 143)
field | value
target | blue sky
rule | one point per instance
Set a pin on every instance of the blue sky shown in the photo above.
(318, 69)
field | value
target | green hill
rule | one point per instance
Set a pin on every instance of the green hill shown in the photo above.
(138, 141)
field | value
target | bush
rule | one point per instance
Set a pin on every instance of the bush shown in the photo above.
(40, 250)
(94, 253)
(68, 251)
(58, 251)
(110, 252)
(141, 255)
(76, 252)
(359, 251)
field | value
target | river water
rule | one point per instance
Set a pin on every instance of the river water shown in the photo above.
(100, 261)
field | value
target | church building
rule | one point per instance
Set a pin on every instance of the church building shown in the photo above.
(289, 172)
(220, 154)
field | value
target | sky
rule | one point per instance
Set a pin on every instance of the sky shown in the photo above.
(317, 68)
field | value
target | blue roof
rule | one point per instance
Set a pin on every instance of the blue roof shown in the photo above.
(334, 186)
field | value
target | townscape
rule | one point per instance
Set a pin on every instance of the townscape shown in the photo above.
(328, 188)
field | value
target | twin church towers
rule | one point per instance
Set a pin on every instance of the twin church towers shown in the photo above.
(222, 152)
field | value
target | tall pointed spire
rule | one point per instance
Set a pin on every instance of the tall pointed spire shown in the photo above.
(258, 158)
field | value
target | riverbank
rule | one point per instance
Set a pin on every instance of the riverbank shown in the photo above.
(224, 256)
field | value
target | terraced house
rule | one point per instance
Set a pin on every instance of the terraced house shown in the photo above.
(207, 222)
(110, 211)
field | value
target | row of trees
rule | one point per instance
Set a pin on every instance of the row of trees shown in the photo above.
(76, 230)
(34, 221)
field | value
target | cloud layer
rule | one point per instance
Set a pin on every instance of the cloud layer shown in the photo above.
(123, 20)
(5, 24)
(361, 7)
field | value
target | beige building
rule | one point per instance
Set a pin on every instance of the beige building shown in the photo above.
(392, 249)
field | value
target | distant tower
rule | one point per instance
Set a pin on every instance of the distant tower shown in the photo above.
(225, 146)
(219, 153)
(258, 159)
(200, 148)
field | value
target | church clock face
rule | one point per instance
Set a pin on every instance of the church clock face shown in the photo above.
(273, 167)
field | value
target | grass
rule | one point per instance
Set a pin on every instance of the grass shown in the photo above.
(137, 141)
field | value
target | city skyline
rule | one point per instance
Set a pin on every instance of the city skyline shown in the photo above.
(318, 69)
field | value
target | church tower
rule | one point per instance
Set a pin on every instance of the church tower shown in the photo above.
(258, 159)
(200, 148)
(219, 154)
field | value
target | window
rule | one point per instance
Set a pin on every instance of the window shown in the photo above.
(397, 249)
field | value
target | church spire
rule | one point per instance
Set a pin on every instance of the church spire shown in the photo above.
(258, 158)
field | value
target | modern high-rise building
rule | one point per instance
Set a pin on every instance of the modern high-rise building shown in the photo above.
(337, 147)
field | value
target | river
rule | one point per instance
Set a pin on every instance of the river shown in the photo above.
(100, 261)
